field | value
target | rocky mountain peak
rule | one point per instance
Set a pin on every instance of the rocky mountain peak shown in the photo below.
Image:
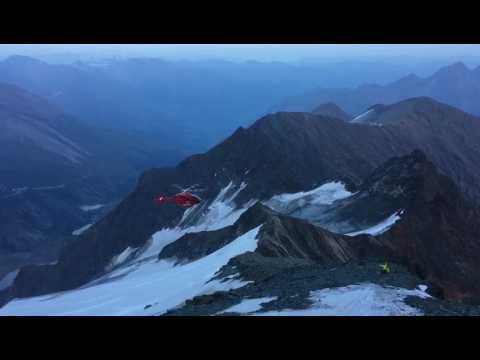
(332, 110)
(457, 69)
(400, 175)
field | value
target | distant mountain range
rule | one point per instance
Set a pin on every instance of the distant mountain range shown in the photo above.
(97, 99)
(455, 85)
(182, 107)
(399, 187)
(51, 164)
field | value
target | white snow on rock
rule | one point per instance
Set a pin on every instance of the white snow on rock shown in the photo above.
(362, 117)
(141, 288)
(8, 279)
(17, 191)
(308, 205)
(91, 207)
(220, 213)
(357, 300)
(423, 288)
(159, 240)
(22, 190)
(247, 306)
(381, 227)
(325, 194)
(121, 258)
(81, 230)
(365, 118)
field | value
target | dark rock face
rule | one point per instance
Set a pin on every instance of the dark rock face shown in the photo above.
(292, 282)
(389, 189)
(283, 236)
(448, 136)
(434, 307)
(304, 150)
(279, 236)
(194, 246)
(439, 238)
(252, 266)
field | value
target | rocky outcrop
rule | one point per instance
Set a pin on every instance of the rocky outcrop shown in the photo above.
(439, 237)
(283, 236)
(193, 246)
(279, 236)
(286, 283)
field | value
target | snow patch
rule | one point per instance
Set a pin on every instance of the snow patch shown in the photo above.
(81, 230)
(120, 258)
(145, 280)
(91, 207)
(362, 116)
(159, 240)
(8, 279)
(233, 276)
(310, 204)
(357, 300)
(423, 288)
(325, 194)
(221, 213)
(248, 305)
(16, 191)
(141, 288)
(381, 227)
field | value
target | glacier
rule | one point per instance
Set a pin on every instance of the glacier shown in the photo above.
(143, 285)
(366, 299)
(149, 288)
(301, 204)
(247, 306)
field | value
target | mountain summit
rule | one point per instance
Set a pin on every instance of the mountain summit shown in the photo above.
(331, 110)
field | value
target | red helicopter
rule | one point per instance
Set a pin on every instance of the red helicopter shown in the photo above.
(185, 198)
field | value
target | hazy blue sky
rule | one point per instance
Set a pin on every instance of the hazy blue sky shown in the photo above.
(239, 52)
